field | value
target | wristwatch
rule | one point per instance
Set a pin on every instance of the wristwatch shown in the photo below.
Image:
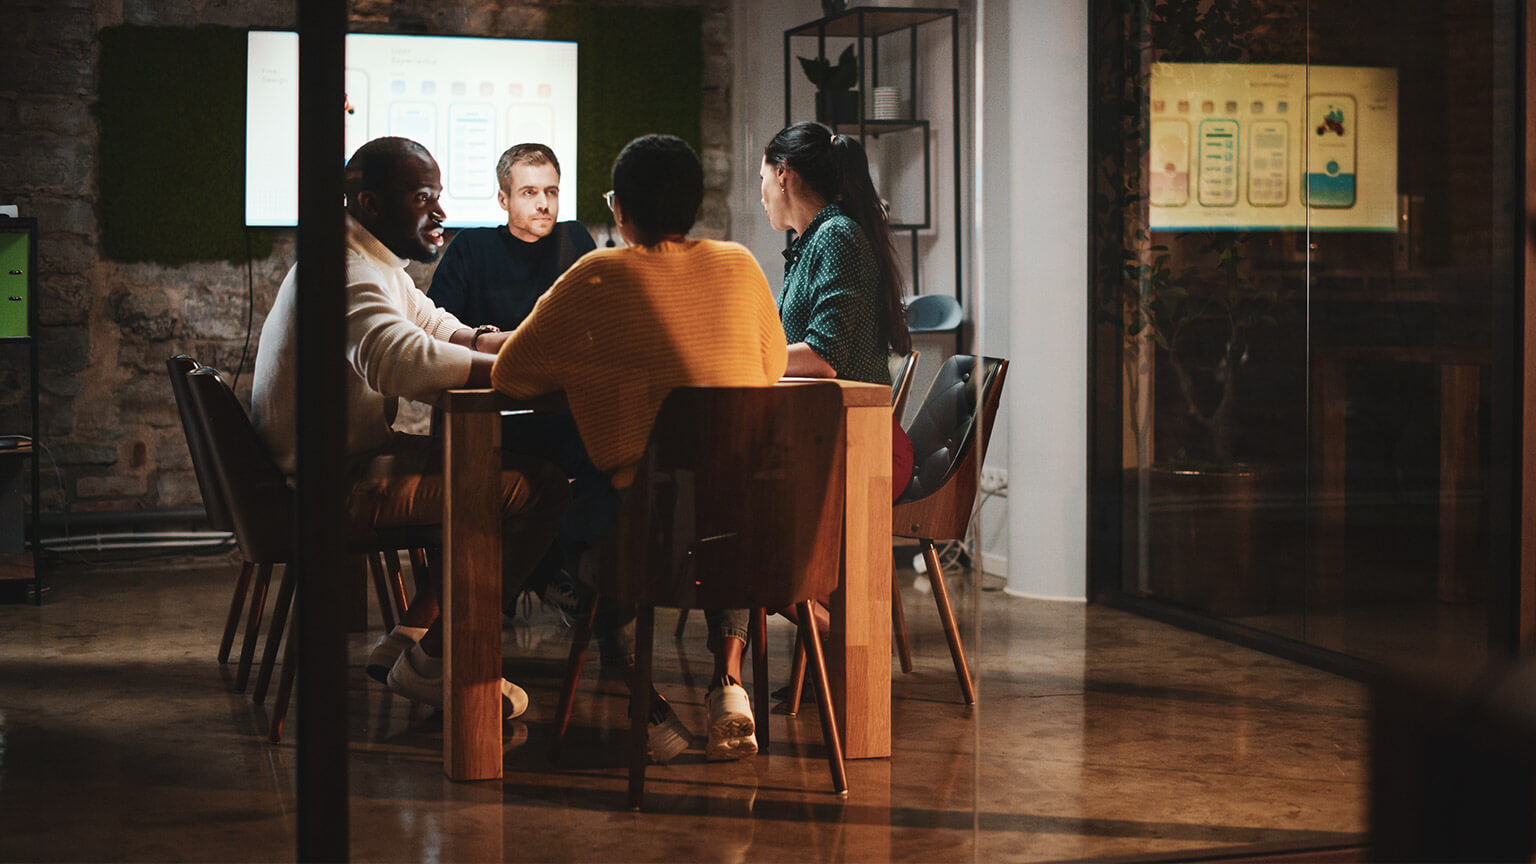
(481, 331)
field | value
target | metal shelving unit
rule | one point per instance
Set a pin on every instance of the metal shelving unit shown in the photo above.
(868, 26)
(18, 330)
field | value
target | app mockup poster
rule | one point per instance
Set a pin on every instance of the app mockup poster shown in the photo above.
(1272, 147)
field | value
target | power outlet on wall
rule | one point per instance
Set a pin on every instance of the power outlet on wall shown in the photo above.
(994, 479)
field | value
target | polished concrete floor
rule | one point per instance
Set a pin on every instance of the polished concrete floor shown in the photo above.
(1098, 735)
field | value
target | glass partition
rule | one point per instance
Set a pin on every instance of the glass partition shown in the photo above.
(1304, 232)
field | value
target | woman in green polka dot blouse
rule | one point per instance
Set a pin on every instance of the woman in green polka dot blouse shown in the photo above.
(841, 300)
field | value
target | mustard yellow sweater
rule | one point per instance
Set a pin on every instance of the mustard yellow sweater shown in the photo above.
(623, 327)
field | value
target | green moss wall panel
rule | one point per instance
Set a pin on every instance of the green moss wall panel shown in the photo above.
(171, 106)
(640, 70)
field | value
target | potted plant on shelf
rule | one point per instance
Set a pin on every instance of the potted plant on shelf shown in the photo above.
(836, 100)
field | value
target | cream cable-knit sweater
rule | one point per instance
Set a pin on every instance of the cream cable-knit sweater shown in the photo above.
(397, 347)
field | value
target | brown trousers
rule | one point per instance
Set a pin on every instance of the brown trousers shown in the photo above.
(404, 486)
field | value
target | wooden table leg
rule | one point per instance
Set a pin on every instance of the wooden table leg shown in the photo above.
(859, 652)
(471, 599)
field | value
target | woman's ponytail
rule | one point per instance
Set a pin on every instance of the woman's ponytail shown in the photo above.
(836, 168)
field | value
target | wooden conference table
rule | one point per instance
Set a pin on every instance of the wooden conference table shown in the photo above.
(858, 653)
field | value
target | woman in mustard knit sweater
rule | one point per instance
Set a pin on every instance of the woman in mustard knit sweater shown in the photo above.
(623, 327)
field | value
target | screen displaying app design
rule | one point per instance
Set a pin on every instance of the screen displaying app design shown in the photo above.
(1330, 150)
(465, 99)
(1271, 147)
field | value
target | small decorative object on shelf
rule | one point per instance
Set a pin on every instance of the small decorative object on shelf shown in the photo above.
(836, 100)
(832, 7)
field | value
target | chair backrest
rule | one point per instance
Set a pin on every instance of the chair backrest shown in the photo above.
(255, 491)
(179, 366)
(903, 369)
(960, 409)
(737, 502)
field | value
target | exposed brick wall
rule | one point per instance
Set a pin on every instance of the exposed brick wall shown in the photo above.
(105, 328)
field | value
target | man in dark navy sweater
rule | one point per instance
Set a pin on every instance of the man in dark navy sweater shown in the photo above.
(494, 275)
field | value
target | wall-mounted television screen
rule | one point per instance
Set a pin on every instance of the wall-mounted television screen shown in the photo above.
(464, 99)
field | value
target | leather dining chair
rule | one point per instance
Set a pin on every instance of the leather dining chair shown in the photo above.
(213, 498)
(903, 367)
(736, 505)
(259, 504)
(949, 441)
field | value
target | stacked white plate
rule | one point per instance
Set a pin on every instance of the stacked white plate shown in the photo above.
(885, 103)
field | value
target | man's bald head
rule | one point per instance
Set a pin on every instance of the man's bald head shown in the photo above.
(376, 165)
(393, 189)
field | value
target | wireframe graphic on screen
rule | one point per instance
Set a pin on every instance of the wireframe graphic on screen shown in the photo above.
(1218, 163)
(1170, 163)
(1331, 150)
(464, 99)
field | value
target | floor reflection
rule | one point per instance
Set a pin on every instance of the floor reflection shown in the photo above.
(1097, 734)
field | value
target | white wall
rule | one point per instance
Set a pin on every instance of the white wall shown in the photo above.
(1025, 191)
(1035, 136)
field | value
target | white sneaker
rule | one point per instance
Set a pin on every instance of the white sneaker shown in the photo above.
(419, 677)
(666, 736)
(389, 648)
(732, 734)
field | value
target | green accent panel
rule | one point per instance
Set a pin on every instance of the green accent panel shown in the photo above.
(640, 70)
(13, 283)
(171, 104)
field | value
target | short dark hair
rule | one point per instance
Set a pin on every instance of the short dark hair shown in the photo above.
(524, 154)
(372, 167)
(659, 182)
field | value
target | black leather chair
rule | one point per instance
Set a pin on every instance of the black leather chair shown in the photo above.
(214, 505)
(259, 505)
(949, 443)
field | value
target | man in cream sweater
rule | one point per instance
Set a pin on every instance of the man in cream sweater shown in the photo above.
(401, 345)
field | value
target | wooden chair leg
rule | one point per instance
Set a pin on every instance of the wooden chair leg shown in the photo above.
(253, 625)
(640, 704)
(818, 661)
(284, 688)
(797, 674)
(759, 636)
(682, 619)
(578, 656)
(381, 589)
(274, 634)
(947, 618)
(236, 606)
(899, 625)
(396, 581)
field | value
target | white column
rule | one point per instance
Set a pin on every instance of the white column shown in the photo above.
(1046, 111)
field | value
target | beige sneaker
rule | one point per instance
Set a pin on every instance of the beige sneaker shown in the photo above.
(732, 733)
(418, 676)
(666, 736)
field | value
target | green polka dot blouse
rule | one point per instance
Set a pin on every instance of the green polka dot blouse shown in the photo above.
(831, 295)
